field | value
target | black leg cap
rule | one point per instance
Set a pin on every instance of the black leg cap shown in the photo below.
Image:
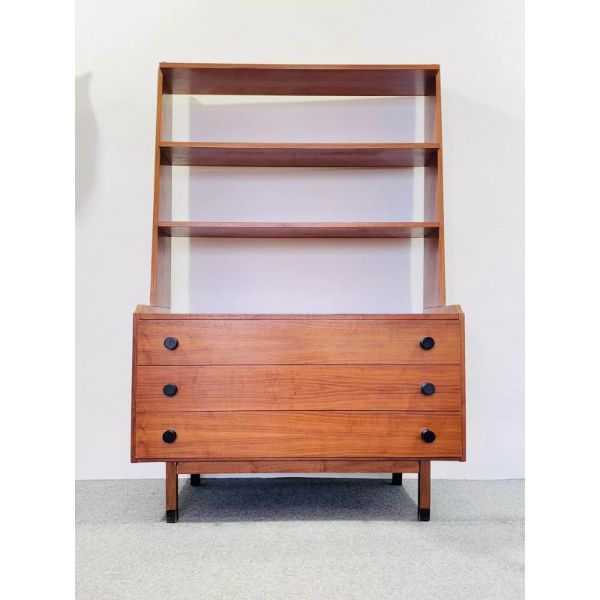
(172, 516)
(396, 478)
(195, 480)
(424, 514)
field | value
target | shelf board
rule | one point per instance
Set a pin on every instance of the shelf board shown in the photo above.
(296, 230)
(442, 313)
(300, 80)
(297, 155)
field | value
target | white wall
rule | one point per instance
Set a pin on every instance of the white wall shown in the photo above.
(479, 48)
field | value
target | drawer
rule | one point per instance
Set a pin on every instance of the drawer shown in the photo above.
(296, 434)
(303, 387)
(306, 341)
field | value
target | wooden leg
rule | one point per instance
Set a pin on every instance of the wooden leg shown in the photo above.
(396, 478)
(195, 479)
(172, 493)
(424, 489)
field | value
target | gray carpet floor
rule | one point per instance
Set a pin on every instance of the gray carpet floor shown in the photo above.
(299, 538)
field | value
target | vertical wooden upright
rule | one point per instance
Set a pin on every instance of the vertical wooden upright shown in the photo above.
(160, 286)
(424, 494)
(172, 489)
(434, 269)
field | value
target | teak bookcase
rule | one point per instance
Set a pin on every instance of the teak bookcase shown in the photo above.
(232, 393)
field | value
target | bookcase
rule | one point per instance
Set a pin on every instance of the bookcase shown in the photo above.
(299, 393)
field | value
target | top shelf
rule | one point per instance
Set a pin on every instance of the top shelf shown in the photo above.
(234, 154)
(299, 80)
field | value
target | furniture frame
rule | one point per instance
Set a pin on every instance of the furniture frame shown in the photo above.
(322, 393)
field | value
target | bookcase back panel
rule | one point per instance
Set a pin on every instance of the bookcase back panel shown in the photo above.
(297, 194)
(300, 119)
(297, 275)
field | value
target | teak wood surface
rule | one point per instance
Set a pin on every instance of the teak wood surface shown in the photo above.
(300, 80)
(242, 154)
(297, 434)
(424, 493)
(322, 341)
(145, 311)
(298, 466)
(297, 230)
(171, 486)
(298, 387)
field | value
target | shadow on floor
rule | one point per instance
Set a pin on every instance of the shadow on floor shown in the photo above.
(292, 498)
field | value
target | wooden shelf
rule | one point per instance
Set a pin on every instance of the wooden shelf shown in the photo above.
(302, 80)
(296, 230)
(297, 155)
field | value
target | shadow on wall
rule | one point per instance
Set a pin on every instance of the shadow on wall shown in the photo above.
(86, 140)
(303, 275)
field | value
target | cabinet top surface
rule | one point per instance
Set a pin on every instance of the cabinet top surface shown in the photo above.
(174, 65)
(442, 312)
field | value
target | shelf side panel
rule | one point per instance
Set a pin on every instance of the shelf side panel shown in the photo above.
(434, 269)
(160, 281)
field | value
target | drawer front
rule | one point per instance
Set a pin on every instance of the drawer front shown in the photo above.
(304, 387)
(298, 342)
(296, 434)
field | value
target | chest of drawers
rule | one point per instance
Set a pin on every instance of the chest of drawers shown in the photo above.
(298, 393)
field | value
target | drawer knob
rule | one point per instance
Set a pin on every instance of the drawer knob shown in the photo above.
(171, 343)
(169, 436)
(427, 343)
(427, 436)
(427, 388)
(171, 389)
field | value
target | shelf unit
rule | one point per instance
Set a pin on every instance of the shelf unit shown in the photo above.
(306, 80)
(298, 393)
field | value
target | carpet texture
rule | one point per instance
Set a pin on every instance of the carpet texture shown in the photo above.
(299, 538)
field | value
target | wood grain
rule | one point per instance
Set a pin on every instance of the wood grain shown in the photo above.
(160, 271)
(256, 342)
(452, 309)
(434, 266)
(246, 154)
(298, 388)
(424, 493)
(171, 486)
(305, 80)
(463, 387)
(438, 313)
(297, 230)
(297, 434)
(134, 380)
(298, 466)
(148, 309)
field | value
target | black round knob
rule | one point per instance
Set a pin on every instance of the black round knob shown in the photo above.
(427, 436)
(169, 436)
(426, 388)
(427, 343)
(171, 343)
(170, 389)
